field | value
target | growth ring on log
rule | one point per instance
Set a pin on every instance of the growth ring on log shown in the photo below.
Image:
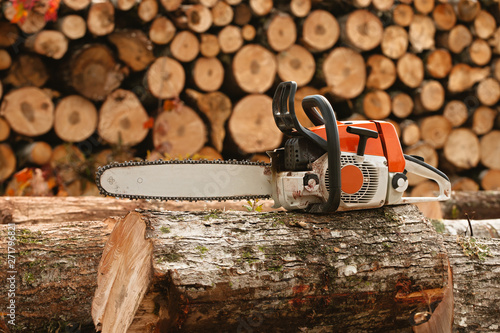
(208, 73)
(281, 33)
(122, 119)
(410, 69)
(75, 118)
(254, 68)
(363, 30)
(165, 78)
(394, 42)
(345, 72)
(252, 125)
(29, 111)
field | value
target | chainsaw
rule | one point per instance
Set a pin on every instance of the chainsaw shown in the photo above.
(332, 166)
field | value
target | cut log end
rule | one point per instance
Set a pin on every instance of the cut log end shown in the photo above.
(7, 162)
(345, 72)
(296, 64)
(281, 32)
(363, 30)
(75, 118)
(320, 30)
(254, 68)
(462, 148)
(165, 78)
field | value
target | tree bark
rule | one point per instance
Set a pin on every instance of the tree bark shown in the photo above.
(477, 205)
(217, 107)
(252, 126)
(94, 73)
(122, 119)
(75, 118)
(28, 110)
(315, 294)
(179, 133)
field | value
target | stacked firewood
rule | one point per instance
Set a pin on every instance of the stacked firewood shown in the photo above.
(113, 80)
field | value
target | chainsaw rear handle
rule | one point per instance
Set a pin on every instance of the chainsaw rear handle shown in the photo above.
(419, 167)
(287, 122)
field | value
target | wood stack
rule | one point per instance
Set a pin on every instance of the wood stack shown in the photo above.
(199, 76)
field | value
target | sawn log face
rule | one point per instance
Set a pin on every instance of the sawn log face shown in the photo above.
(365, 270)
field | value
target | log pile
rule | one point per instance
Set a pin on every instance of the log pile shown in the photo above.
(114, 80)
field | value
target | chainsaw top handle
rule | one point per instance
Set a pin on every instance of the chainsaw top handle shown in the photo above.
(287, 122)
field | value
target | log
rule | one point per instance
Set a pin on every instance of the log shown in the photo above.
(345, 73)
(439, 63)
(208, 73)
(362, 30)
(477, 205)
(29, 111)
(122, 119)
(490, 148)
(32, 22)
(171, 5)
(209, 153)
(382, 5)
(222, 14)
(464, 184)
(376, 104)
(161, 31)
(179, 133)
(490, 180)
(199, 18)
(296, 64)
(8, 34)
(484, 24)
(382, 72)
(101, 18)
(402, 14)
(75, 118)
(124, 4)
(134, 48)
(5, 60)
(4, 129)
(7, 161)
(77, 4)
(230, 39)
(72, 26)
(394, 42)
(456, 112)
(222, 273)
(457, 39)
(402, 105)
(424, 6)
(430, 96)
(435, 130)
(147, 10)
(165, 78)
(49, 43)
(248, 32)
(300, 8)
(444, 16)
(27, 70)
(320, 31)
(488, 91)
(428, 153)
(410, 70)
(254, 68)
(261, 7)
(94, 73)
(209, 45)
(281, 32)
(421, 33)
(242, 14)
(462, 148)
(483, 120)
(252, 126)
(217, 107)
(37, 152)
(467, 10)
(185, 46)
(463, 77)
(479, 52)
(410, 132)
(67, 162)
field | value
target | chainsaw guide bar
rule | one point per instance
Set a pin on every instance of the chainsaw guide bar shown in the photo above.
(259, 168)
